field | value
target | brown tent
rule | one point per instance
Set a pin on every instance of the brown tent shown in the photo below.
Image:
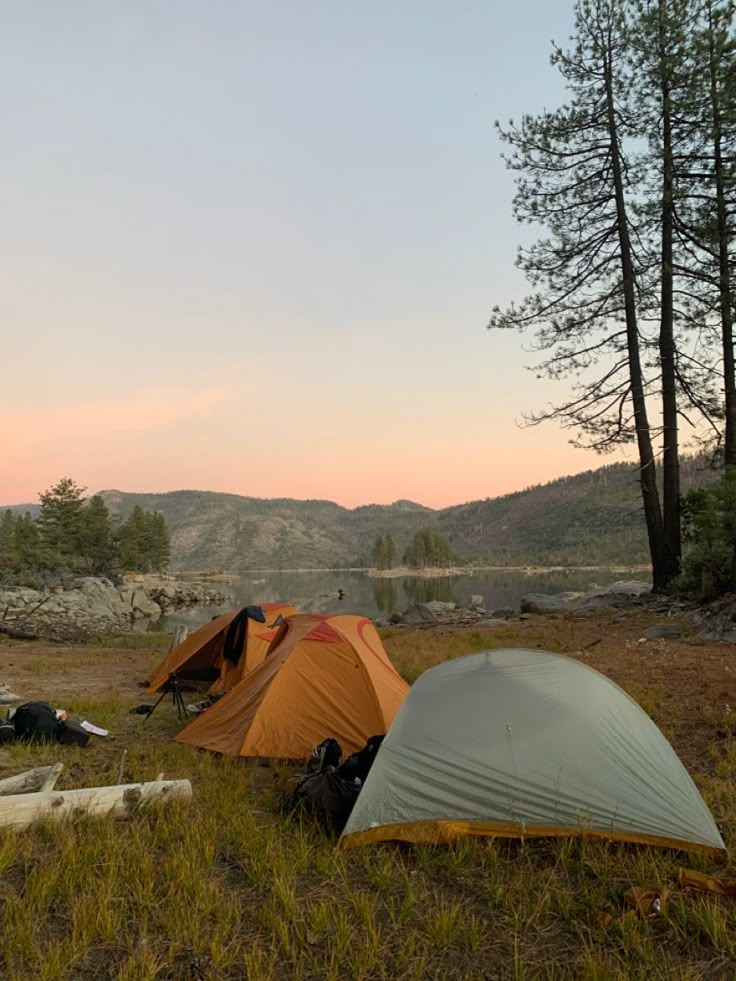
(325, 675)
(199, 659)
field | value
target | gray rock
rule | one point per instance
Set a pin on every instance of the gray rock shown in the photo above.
(395, 618)
(595, 607)
(492, 622)
(607, 599)
(541, 603)
(476, 602)
(658, 630)
(504, 612)
(93, 583)
(418, 614)
(621, 593)
(142, 606)
(717, 624)
(439, 608)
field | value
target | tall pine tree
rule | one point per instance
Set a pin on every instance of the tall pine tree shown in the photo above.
(60, 522)
(575, 178)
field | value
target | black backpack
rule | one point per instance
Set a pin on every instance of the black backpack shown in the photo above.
(325, 756)
(358, 765)
(327, 798)
(330, 789)
(36, 722)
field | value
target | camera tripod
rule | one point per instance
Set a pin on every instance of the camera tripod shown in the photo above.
(171, 687)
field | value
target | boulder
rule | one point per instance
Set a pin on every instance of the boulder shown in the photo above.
(418, 614)
(718, 623)
(98, 596)
(541, 603)
(621, 593)
(19, 597)
(608, 598)
(476, 602)
(439, 608)
(504, 613)
(596, 607)
(658, 630)
(142, 606)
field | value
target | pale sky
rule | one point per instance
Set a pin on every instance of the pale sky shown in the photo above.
(253, 246)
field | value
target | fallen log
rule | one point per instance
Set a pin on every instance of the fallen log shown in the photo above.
(31, 781)
(16, 634)
(22, 810)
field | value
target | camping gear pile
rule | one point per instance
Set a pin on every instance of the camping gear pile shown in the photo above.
(330, 788)
(37, 722)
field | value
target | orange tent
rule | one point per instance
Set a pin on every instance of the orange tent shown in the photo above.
(325, 675)
(199, 659)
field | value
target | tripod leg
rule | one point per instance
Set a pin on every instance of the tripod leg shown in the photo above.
(156, 705)
(181, 709)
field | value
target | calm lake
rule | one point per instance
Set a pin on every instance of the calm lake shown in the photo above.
(373, 597)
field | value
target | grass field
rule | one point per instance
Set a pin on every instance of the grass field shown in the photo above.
(225, 887)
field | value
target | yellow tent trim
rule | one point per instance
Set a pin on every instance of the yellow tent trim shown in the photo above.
(443, 832)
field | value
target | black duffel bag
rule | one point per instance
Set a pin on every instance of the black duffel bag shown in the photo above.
(327, 797)
(72, 733)
(7, 731)
(36, 722)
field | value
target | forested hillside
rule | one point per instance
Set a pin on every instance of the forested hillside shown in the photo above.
(591, 518)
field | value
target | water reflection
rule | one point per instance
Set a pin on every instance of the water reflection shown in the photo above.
(384, 595)
(426, 590)
(318, 592)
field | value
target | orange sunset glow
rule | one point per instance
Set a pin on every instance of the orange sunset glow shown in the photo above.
(261, 269)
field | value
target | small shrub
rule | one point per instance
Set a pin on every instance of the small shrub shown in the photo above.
(709, 527)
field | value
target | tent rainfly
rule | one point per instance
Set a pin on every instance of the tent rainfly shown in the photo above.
(323, 676)
(523, 744)
(204, 659)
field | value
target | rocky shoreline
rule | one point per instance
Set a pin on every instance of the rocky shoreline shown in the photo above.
(96, 605)
(92, 605)
(714, 622)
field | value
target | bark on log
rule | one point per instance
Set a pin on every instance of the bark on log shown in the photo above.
(16, 634)
(31, 781)
(22, 810)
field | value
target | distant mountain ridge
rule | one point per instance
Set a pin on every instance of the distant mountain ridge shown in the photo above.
(591, 518)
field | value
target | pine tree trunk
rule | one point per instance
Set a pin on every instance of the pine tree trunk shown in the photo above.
(647, 465)
(724, 275)
(670, 459)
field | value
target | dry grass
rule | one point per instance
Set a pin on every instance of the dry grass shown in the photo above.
(224, 887)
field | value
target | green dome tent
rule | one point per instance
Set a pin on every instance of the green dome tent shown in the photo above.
(522, 743)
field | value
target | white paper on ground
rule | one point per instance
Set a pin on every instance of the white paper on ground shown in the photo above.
(94, 729)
